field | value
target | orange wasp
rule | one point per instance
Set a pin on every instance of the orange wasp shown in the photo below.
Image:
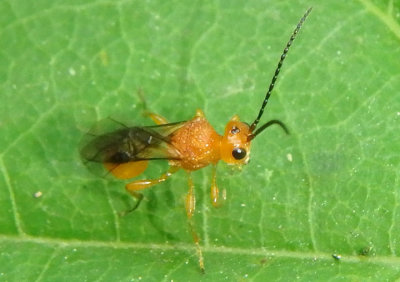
(189, 145)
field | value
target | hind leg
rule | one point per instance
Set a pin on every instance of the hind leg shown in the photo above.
(158, 119)
(138, 185)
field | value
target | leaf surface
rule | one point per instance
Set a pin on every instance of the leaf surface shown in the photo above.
(329, 188)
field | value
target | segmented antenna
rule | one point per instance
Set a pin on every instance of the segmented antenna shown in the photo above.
(275, 77)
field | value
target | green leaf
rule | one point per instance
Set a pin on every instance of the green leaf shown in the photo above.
(329, 188)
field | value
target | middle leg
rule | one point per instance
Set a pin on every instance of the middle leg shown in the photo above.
(190, 205)
(214, 191)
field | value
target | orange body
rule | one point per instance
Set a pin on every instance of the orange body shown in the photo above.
(194, 145)
(197, 143)
(200, 145)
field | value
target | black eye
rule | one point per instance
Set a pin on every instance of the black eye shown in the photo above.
(239, 153)
(235, 130)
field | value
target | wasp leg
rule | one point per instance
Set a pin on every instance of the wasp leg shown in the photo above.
(199, 113)
(138, 185)
(190, 202)
(139, 198)
(214, 192)
(157, 118)
(190, 205)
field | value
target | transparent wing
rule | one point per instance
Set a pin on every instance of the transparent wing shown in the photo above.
(129, 144)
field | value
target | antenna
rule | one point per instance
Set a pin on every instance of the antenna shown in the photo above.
(278, 68)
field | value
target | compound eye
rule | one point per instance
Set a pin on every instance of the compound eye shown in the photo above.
(239, 153)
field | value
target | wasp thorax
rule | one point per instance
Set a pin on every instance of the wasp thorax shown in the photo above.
(235, 147)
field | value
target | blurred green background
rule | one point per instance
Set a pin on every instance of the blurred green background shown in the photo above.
(331, 187)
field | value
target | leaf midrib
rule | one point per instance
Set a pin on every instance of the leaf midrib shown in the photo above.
(391, 261)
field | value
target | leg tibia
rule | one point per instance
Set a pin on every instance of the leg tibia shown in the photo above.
(139, 198)
(190, 202)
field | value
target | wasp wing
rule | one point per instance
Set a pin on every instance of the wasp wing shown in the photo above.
(129, 144)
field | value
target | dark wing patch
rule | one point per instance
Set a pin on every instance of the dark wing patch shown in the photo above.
(132, 144)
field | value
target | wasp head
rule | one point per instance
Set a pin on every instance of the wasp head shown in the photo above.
(235, 144)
